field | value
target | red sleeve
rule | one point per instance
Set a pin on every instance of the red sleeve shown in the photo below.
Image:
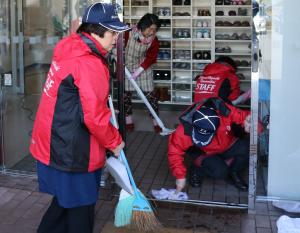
(93, 85)
(151, 54)
(178, 145)
(126, 37)
(238, 115)
(235, 87)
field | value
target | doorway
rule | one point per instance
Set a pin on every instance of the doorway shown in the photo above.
(36, 26)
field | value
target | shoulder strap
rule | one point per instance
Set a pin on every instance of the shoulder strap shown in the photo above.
(186, 118)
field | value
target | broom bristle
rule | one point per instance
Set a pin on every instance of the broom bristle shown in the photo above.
(123, 212)
(145, 221)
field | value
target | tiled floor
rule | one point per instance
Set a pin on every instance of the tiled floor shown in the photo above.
(147, 155)
(21, 206)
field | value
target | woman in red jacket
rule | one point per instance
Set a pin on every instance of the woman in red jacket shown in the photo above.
(141, 52)
(206, 135)
(72, 128)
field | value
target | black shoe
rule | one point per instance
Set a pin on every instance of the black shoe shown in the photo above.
(195, 179)
(238, 182)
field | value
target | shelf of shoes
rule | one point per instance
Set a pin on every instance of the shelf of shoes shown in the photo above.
(194, 33)
(233, 30)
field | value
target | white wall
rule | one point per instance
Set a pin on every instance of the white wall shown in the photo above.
(284, 156)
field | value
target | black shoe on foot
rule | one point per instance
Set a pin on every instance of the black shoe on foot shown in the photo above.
(195, 179)
(238, 182)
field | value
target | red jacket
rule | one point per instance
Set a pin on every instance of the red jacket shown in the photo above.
(209, 84)
(179, 143)
(72, 128)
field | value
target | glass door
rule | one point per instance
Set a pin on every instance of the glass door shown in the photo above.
(35, 27)
(29, 31)
(278, 146)
(5, 61)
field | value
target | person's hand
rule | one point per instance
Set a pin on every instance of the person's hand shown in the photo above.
(137, 72)
(180, 184)
(118, 149)
(247, 124)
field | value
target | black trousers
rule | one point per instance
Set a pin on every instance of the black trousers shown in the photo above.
(216, 166)
(151, 97)
(67, 220)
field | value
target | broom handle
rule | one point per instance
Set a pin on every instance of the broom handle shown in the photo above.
(122, 154)
(143, 97)
(124, 160)
(113, 113)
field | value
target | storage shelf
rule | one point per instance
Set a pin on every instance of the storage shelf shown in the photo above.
(163, 81)
(184, 78)
(234, 41)
(231, 27)
(201, 39)
(201, 17)
(233, 6)
(201, 61)
(235, 17)
(234, 54)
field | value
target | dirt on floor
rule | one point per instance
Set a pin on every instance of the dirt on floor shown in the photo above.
(110, 228)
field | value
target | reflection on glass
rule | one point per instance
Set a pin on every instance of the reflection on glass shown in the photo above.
(5, 62)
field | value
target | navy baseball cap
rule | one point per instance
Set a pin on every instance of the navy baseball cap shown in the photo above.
(106, 15)
(205, 124)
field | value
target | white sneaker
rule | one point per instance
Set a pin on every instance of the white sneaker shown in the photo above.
(199, 24)
(199, 34)
(104, 177)
(128, 119)
(205, 35)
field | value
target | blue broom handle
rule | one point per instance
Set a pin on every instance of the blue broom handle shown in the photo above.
(122, 154)
(124, 160)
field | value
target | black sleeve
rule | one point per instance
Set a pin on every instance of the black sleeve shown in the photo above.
(194, 152)
(225, 91)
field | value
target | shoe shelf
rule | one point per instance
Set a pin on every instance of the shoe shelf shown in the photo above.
(236, 17)
(231, 28)
(232, 54)
(234, 41)
(192, 35)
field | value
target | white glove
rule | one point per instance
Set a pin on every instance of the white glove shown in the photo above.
(137, 72)
(180, 184)
(247, 124)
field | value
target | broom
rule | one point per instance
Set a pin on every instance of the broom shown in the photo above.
(133, 210)
(143, 217)
(165, 131)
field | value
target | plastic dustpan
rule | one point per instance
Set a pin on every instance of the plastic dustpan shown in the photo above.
(118, 170)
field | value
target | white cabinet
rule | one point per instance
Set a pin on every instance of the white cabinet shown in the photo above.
(194, 33)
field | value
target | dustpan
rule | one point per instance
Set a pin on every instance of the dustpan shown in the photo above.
(118, 170)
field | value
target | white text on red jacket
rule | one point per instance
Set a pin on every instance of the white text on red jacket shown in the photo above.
(207, 84)
(49, 81)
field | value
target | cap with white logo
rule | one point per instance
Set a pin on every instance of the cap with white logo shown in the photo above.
(205, 124)
(105, 15)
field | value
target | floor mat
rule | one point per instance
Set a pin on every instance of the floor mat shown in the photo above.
(110, 228)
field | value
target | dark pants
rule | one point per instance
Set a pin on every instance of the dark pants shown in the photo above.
(72, 220)
(216, 166)
(151, 97)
